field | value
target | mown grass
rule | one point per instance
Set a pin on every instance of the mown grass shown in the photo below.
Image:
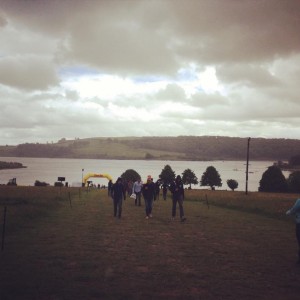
(266, 204)
(236, 247)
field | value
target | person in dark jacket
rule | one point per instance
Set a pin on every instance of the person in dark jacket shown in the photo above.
(295, 210)
(157, 189)
(148, 191)
(177, 191)
(118, 194)
(110, 185)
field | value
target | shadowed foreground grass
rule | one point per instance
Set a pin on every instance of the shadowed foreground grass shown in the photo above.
(231, 247)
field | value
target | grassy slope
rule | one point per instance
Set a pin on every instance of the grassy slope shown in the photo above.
(246, 250)
(114, 148)
(168, 148)
(118, 149)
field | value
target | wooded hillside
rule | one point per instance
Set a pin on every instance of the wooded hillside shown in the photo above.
(162, 148)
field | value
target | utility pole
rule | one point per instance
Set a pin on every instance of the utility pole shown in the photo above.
(247, 166)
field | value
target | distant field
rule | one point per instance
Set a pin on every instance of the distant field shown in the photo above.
(65, 244)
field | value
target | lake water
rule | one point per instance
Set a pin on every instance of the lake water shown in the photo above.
(49, 169)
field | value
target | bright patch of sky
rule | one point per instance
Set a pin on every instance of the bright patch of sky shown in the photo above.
(111, 86)
(88, 83)
(209, 82)
(194, 81)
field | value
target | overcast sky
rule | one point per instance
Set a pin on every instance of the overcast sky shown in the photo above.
(87, 68)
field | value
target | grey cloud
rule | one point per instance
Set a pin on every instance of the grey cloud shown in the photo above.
(71, 95)
(122, 49)
(106, 34)
(246, 75)
(28, 72)
(17, 40)
(50, 17)
(203, 100)
(172, 92)
(157, 36)
(237, 30)
(3, 20)
(250, 109)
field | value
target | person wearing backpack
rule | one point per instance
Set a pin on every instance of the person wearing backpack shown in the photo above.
(148, 191)
(177, 190)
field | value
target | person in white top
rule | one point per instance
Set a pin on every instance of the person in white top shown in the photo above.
(137, 190)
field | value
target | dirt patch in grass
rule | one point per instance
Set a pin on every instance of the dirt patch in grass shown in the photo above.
(83, 252)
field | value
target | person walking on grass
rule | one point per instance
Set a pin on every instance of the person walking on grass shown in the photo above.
(157, 188)
(109, 188)
(137, 190)
(129, 186)
(118, 194)
(164, 190)
(177, 191)
(295, 210)
(148, 191)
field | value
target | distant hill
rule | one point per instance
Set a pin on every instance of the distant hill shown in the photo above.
(160, 148)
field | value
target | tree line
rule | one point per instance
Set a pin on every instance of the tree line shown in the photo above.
(171, 148)
(10, 165)
(272, 180)
(210, 177)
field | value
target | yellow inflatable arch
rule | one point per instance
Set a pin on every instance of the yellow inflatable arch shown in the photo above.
(89, 175)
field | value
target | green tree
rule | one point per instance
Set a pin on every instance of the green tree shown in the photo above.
(167, 175)
(189, 177)
(131, 175)
(211, 177)
(294, 182)
(273, 181)
(232, 184)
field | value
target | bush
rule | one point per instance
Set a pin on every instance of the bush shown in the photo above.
(39, 183)
(130, 175)
(273, 181)
(232, 184)
(294, 182)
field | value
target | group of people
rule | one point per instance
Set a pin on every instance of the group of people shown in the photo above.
(150, 192)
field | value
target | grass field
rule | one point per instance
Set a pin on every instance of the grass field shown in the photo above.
(65, 244)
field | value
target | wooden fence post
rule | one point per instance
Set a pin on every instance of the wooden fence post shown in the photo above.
(3, 229)
(207, 201)
(70, 199)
